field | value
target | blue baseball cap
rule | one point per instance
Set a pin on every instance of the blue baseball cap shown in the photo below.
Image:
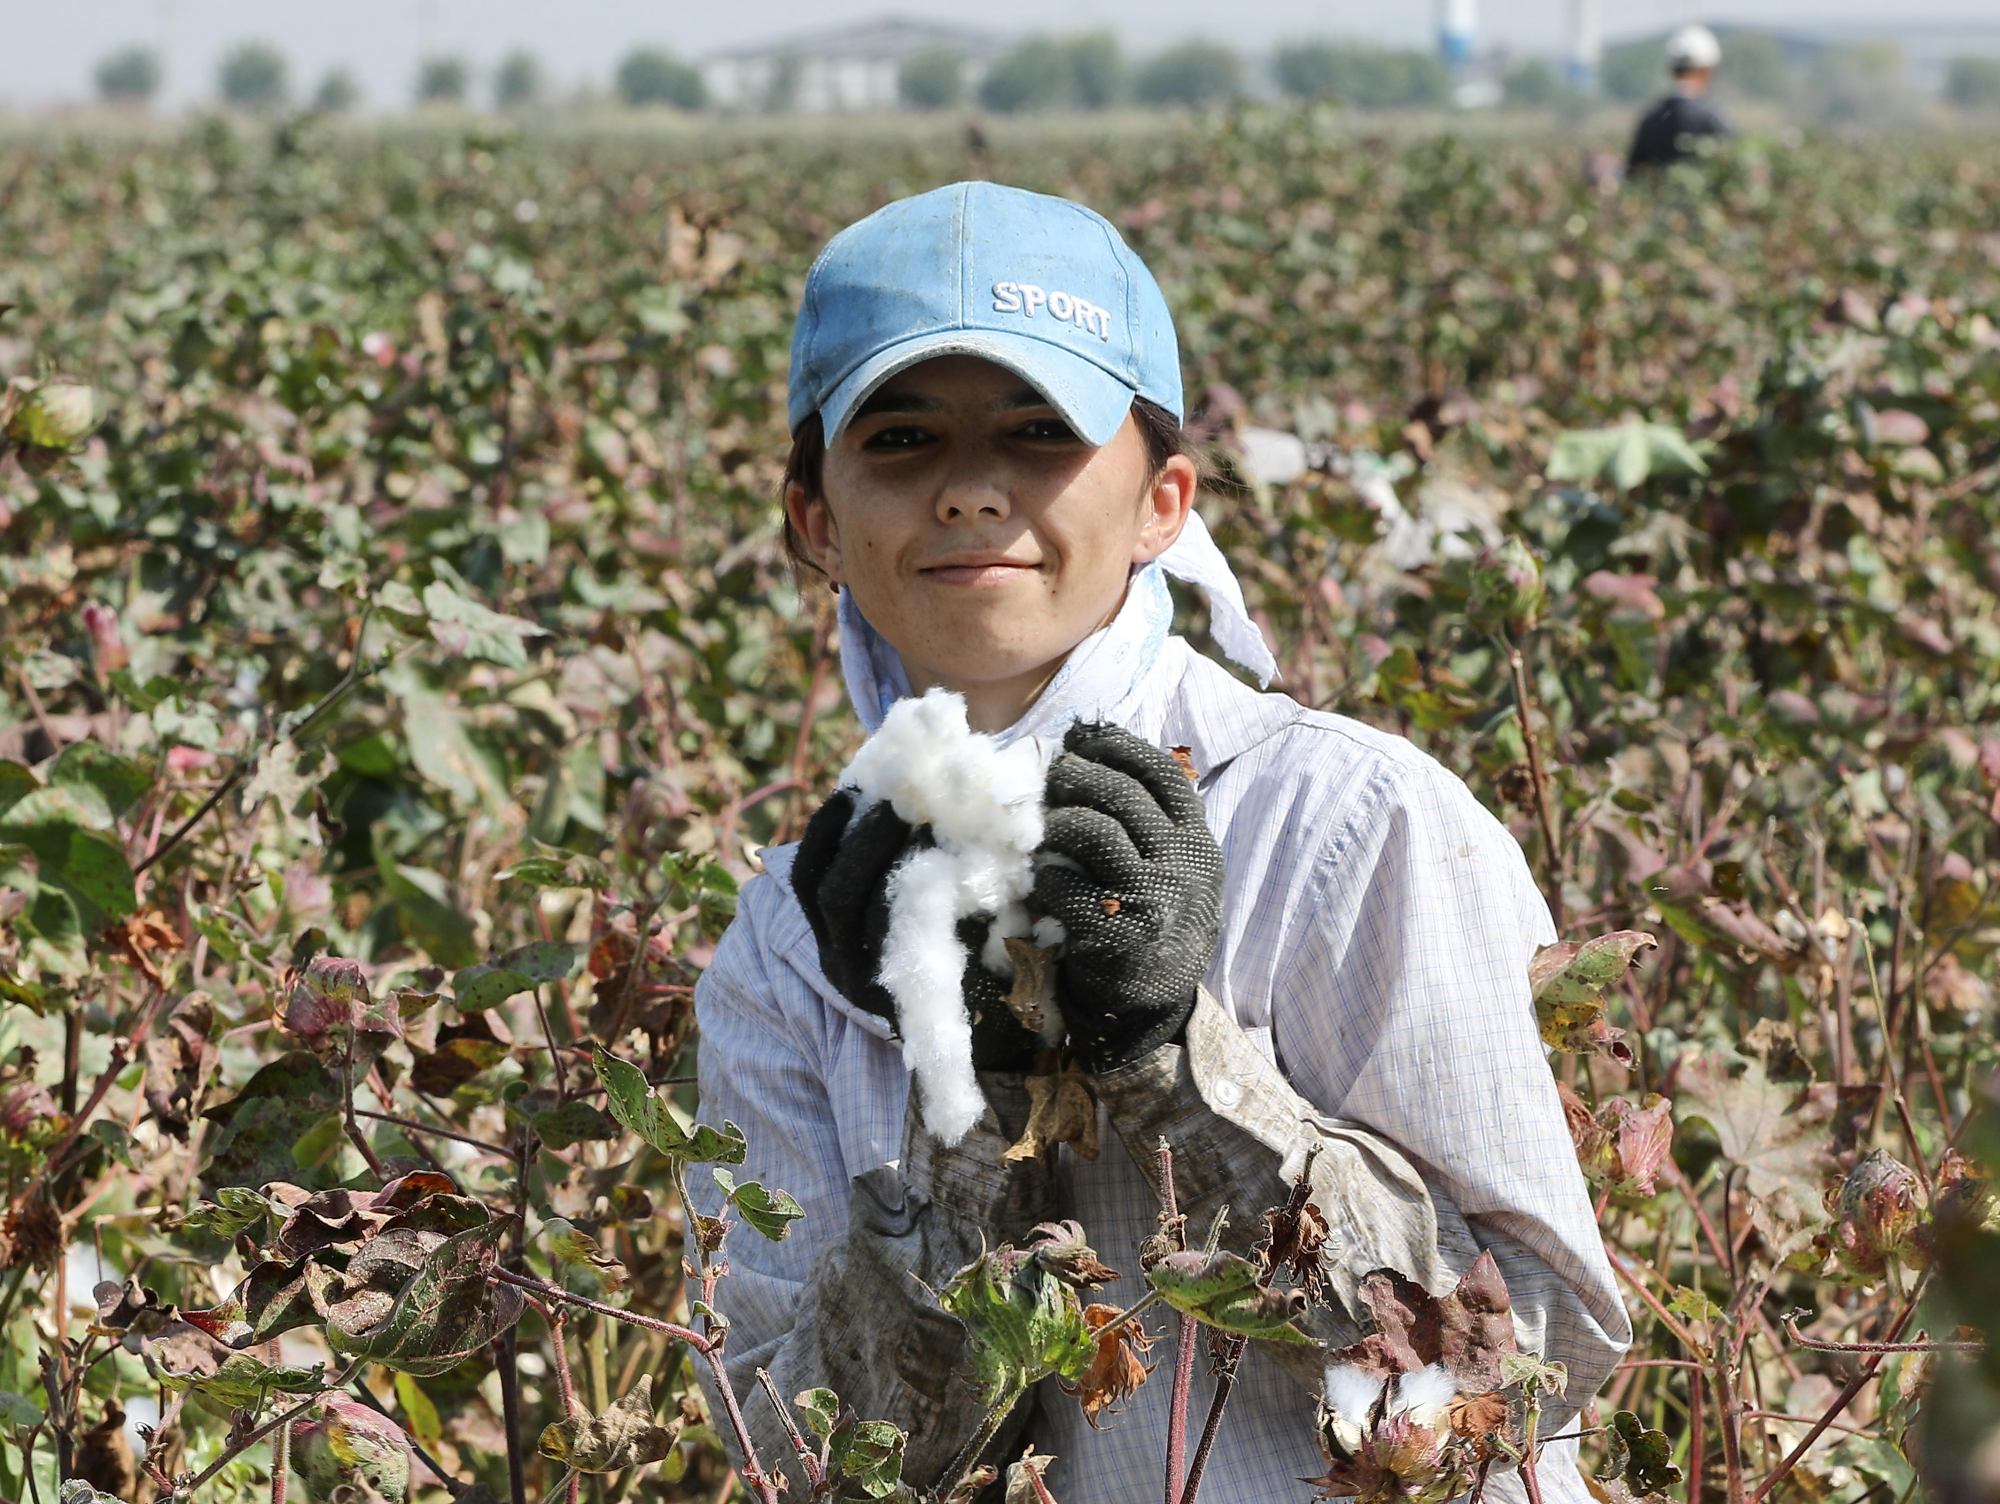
(1039, 285)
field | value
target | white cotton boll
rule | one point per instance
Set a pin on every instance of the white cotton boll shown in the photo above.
(1425, 1394)
(922, 963)
(1350, 1398)
(983, 805)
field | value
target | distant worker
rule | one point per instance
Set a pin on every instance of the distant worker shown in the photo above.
(1666, 134)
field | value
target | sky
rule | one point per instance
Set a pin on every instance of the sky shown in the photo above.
(48, 48)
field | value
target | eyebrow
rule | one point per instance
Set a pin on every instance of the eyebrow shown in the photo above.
(1020, 399)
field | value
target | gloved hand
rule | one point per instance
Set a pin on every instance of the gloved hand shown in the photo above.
(1142, 906)
(841, 880)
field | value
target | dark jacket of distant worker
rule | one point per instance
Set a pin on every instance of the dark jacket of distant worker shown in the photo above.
(1667, 132)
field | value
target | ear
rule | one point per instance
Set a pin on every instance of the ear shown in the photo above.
(812, 519)
(1168, 499)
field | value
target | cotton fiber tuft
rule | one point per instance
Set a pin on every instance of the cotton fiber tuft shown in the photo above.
(983, 804)
(1425, 1395)
(1350, 1398)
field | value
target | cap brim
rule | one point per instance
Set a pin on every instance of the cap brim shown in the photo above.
(1091, 400)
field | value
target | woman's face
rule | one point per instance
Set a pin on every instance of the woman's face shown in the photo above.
(981, 537)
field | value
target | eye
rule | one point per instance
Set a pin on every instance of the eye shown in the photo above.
(1048, 431)
(900, 436)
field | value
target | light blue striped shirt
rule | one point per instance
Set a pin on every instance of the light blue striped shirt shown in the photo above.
(1377, 925)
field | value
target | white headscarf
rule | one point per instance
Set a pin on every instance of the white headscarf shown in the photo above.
(1102, 674)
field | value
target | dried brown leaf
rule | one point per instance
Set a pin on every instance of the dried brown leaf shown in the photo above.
(1116, 1365)
(1032, 999)
(1061, 1110)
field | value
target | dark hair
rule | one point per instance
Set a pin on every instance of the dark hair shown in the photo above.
(805, 466)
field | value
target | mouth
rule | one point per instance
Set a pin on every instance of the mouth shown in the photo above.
(978, 570)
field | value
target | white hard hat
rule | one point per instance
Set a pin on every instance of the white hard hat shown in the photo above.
(1693, 47)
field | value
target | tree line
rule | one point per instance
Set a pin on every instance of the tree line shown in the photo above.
(1091, 71)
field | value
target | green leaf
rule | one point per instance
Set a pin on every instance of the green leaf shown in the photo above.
(115, 1138)
(418, 1410)
(1631, 461)
(259, 1129)
(647, 1112)
(116, 779)
(466, 627)
(65, 805)
(54, 931)
(770, 1212)
(1693, 1304)
(573, 1122)
(1642, 1458)
(1569, 981)
(520, 970)
(418, 1305)
(1626, 454)
(572, 870)
(185, 1358)
(822, 1409)
(1220, 1289)
(580, 1261)
(18, 1413)
(397, 599)
(869, 1454)
(65, 828)
(15, 782)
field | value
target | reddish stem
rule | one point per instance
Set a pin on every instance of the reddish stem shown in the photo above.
(1697, 1441)
(548, 1291)
(1184, 1339)
(1820, 1345)
(1225, 1380)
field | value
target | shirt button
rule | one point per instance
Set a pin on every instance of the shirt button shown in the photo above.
(1227, 1093)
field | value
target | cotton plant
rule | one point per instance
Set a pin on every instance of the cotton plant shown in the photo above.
(1404, 1436)
(982, 804)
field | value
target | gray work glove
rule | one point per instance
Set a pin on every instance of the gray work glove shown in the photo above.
(1142, 904)
(841, 879)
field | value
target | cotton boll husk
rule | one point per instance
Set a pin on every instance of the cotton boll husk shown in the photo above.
(1425, 1395)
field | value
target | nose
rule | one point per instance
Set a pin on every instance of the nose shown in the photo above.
(971, 495)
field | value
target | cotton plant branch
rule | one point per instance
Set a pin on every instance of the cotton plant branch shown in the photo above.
(243, 1443)
(1174, 1227)
(808, 1460)
(710, 1349)
(1284, 1229)
(1840, 1401)
(1821, 1345)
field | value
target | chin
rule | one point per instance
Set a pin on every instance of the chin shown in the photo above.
(968, 662)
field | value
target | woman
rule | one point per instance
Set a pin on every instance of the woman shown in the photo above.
(1322, 942)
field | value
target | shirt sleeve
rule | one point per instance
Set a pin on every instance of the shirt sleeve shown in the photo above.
(1406, 1011)
(842, 1301)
